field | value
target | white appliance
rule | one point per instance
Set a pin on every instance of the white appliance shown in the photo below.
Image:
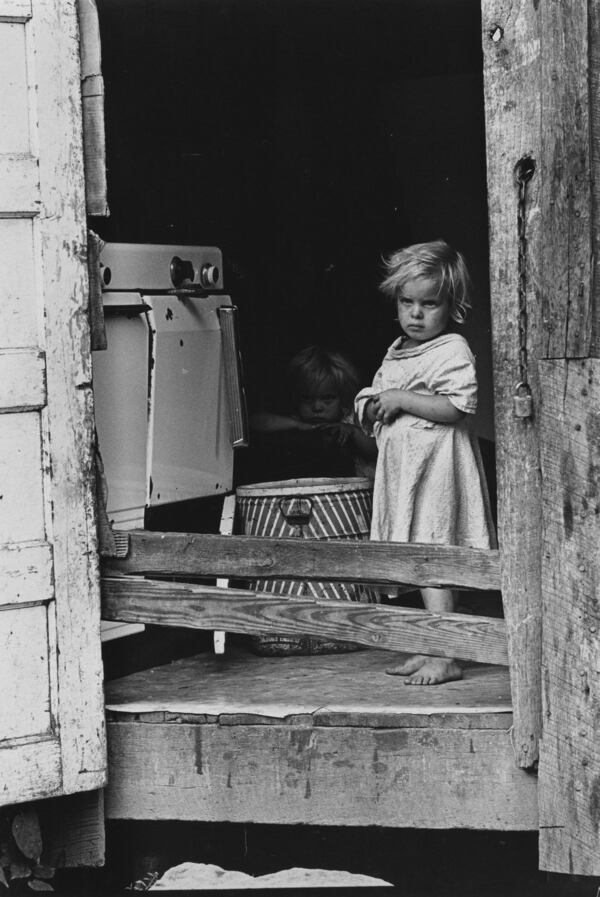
(169, 400)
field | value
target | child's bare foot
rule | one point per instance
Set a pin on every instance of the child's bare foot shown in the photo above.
(424, 670)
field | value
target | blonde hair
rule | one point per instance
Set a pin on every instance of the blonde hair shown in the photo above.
(435, 260)
(317, 365)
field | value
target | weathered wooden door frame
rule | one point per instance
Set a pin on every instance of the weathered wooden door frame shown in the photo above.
(542, 77)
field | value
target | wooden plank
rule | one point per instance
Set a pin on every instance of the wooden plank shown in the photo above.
(418, 778)
(252, 556)
(22, 502)
(130, 599)
(594, 115)
(69, 414)
(566, 257)
(570, 750)
(22, 379)
(512, 77)
(26, 573)
(349, 687)
(25, 708)
(29, 771)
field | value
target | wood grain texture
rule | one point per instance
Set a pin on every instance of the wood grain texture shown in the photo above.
(570, 750)
(313, 559)
(73, 830)
(68, 418)
(26, 573)
(594, 115)
(512, 75)
(566, 186)
(133, 599)
(421, 778)
(22, 379)
(337, 689)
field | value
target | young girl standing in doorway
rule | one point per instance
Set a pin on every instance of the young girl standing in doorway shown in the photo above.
(429, 482)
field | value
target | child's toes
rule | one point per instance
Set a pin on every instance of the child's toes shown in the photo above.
(415, 680)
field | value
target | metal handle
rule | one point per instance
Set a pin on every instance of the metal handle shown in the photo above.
(233, 376)
(297, 511)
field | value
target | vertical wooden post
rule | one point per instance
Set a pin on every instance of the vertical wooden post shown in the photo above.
(594, 116)
(512, 72)
(569, 778)
(569, 784)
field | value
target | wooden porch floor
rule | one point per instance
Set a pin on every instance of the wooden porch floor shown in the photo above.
(325, 740)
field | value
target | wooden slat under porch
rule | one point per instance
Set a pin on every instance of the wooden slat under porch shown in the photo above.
(324, 740)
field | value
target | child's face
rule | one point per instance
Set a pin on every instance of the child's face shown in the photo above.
(322, 405)
(422, 314)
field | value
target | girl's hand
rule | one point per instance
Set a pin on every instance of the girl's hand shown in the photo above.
(296, 423)
(369, 411)
(388, 405)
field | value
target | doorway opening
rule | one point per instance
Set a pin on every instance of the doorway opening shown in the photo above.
(305, 139)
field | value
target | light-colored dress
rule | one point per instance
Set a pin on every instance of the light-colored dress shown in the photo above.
(429, 483)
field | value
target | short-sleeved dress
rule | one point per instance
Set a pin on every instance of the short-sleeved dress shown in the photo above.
(429, 482)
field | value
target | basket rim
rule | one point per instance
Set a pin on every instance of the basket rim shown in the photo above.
(306, 486)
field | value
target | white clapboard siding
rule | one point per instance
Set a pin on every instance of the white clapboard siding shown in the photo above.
(52, 738)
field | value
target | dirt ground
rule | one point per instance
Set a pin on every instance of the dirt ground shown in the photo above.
(418, 863)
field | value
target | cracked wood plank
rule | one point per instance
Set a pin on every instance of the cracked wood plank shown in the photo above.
(409, 777)
(467, 637)
(181, 554)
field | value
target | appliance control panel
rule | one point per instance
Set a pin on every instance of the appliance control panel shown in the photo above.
(144, 267)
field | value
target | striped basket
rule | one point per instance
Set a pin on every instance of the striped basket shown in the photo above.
(321, 508)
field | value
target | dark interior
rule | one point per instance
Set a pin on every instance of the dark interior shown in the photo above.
(305, 138)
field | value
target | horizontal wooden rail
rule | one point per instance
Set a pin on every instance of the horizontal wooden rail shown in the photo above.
(249, 557)
(134, 599)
